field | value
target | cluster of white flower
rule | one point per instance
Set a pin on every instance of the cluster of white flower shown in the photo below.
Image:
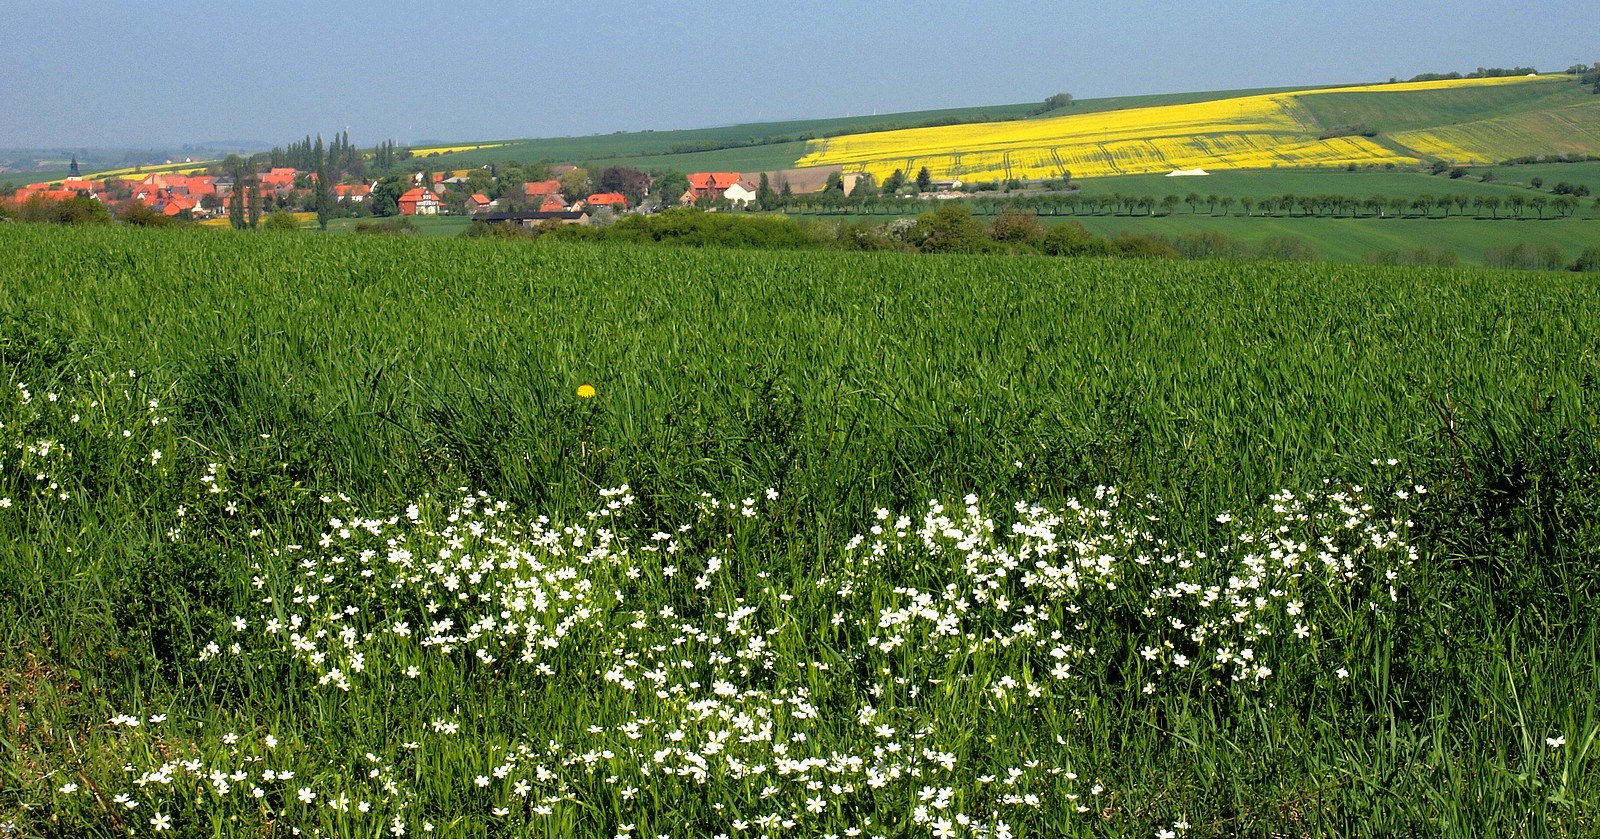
(840, 702)
(32, 428)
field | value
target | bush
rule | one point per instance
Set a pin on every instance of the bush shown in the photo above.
(1524, 256)
(494, 230)
(1018, 229)
(281, 221)
(1287, 249)
(140, 215)
(1073, 239)
(865, 237)
(1143, 247)
(1421, 257)
(697, 228)
(398, 226)
(1589, 260)
(950, 229)
(79, 210)
(1356, 129)
(1208, 245)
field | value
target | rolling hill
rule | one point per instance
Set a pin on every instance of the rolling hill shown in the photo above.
(1467, 121)
(1459, 121)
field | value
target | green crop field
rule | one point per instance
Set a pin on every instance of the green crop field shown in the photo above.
(359, 536)
(1385, 112)
(1354, 240)
(1264, 183)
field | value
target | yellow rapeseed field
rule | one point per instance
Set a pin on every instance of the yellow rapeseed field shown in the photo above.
(1247, 132)
(161, 169)
(427, 150)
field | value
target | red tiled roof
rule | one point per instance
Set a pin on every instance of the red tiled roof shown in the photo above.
(607, 198)
(713, 180)
(46, 194)
(541, 188)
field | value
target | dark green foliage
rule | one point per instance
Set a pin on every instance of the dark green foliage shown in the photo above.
(698, 229)
(1208, 245)
(1589, 260)
(1357, 129)
(396, 226)
(385, 197)
(1071, 239)
(169, 602)
(1525, 256)
(79, 210)
(1420, 257)
(950, 229)
(1018, 230)
(281, 220)
(1286, 248)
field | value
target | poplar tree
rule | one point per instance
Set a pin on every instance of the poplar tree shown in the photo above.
(237, 199)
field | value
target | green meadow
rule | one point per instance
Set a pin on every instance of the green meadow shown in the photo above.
(360, 536)
(1357, 240)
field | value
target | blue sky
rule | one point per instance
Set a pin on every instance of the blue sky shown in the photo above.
(162, 72)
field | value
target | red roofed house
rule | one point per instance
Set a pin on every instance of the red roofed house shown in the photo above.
(477, 202)
(702, 184)
(43, 193)
(201, 185)
(278, 179)
(539, 188)
(354, 193)
(178, 203)
(614, 200)
(552, 204)
(419, 202)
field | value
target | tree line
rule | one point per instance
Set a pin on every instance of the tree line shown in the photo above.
(952, 228)
(1515, 206)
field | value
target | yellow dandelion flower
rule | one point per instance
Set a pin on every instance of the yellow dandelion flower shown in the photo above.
(586, 391)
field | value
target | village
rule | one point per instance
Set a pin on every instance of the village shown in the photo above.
(201, 196)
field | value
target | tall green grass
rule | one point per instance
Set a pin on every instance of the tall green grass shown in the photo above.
(231, 418)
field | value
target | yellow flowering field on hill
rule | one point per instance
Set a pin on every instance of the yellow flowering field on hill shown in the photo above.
(427, 150)
(1246, 132)
(162, 169)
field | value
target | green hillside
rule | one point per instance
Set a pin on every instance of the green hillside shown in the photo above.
(1356, 240)
(777, 145)
(1413, 110)
(1260, 183)
(1552, 115)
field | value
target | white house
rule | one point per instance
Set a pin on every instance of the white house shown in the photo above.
(740, 194)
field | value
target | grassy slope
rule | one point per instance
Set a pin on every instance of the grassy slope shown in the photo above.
(1351, 240)
(1388, 112)
(1261, 183)
(1587, 173)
